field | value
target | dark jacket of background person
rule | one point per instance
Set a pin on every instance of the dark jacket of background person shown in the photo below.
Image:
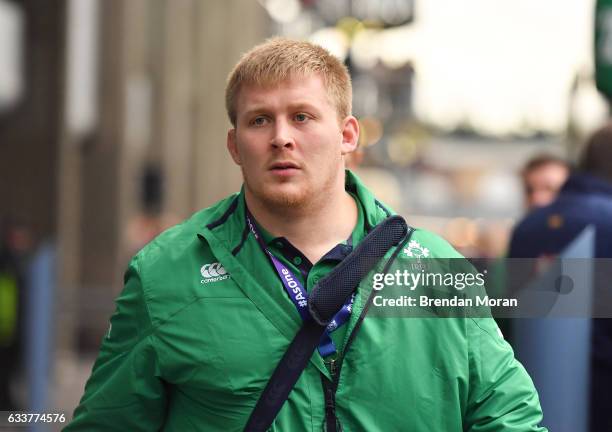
(584, 200)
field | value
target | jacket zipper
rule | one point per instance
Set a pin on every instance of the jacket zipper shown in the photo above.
(335, 365)
(329, 389)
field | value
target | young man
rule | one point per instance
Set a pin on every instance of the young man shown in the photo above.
(207, 313)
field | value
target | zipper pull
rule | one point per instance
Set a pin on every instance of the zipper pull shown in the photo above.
(333, 369)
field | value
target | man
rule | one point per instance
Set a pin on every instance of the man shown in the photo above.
(542, 178)
(585, 199)
(205, 316)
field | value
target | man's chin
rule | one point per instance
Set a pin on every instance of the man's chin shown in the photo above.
(286, 196)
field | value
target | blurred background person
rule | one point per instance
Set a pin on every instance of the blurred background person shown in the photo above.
(15, 246)
(542, 177)
(584, 200)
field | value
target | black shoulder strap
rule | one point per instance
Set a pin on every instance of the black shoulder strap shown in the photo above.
(326, 298)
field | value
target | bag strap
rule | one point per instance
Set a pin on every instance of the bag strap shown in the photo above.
(327, 297)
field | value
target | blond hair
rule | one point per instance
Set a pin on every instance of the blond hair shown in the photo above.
(279, 59)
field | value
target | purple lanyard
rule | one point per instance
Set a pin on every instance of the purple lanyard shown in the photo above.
(299, 296)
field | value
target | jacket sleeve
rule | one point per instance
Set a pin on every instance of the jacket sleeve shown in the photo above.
(125, 390)
(502, 397)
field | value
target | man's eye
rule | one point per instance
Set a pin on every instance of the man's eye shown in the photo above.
(258, 121)
(301, 117)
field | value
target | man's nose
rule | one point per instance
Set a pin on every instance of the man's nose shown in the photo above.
(282, 135)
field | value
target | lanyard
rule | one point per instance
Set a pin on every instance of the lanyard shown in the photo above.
(299, 296)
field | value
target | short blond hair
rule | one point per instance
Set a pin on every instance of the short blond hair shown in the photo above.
(279, 59)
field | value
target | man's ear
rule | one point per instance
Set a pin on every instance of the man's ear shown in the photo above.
(350, 134)
(232, 147)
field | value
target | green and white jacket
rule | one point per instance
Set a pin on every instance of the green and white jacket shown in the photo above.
(203, 320)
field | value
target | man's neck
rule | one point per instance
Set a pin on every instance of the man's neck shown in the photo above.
(313, 230)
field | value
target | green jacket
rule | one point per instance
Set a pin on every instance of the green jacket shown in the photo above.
(203, 321)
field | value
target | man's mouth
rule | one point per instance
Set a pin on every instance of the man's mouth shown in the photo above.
(284, 170)
(284, 166)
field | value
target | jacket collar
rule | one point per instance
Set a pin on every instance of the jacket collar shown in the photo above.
(230, 213)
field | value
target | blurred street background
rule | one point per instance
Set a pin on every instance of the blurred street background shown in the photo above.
(113, 128)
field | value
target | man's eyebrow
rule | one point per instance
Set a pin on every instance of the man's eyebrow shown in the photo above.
(303, 106)
(296, 106)
(256, 110)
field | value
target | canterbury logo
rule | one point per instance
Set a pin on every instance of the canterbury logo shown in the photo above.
(213, 272)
